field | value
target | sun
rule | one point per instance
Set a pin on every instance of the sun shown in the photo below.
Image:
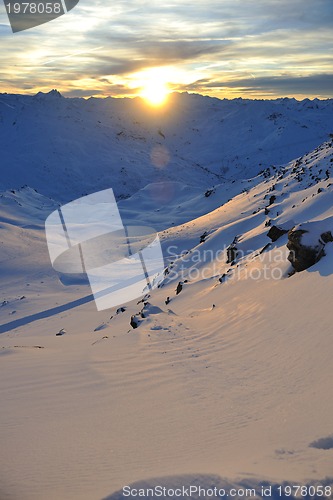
(153, 85)
(155, 92)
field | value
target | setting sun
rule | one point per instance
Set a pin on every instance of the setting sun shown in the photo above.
(152, 84)
(155, 92)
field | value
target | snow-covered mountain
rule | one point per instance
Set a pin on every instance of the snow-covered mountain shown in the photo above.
(225, 370)
(81, 145)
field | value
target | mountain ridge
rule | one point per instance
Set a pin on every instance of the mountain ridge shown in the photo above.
(66, 147)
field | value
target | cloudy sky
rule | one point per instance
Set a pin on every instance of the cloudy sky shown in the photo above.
(223, 48)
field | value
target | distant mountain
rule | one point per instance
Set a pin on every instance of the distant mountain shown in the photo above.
(65, 147)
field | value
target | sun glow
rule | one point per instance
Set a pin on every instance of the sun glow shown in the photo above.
(155, 92)
(153, 85)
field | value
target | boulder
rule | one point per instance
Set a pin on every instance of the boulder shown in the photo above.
(327, 237)
(134, 321)
(306, 247)
(276, 232)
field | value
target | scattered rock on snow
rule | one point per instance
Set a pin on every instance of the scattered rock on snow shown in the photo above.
(203, 237)
(120, 310)
(231, 254)
(61, 332)
(134, 321)
(209, 192)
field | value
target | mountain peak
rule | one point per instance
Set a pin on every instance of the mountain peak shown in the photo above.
(54, 93)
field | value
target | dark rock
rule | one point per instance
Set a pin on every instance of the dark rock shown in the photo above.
(143, 311)
(302, 256)
(203, 237)
(327, 237)
(120, 310)
(264, 248)
(134, 322)
(167, 300)
(61, 332)
(179, 288)
(209, 192)
(231, 254)
(145, 298)
(276, 232)
(272, 200)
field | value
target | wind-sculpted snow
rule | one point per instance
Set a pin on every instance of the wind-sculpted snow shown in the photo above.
(222, 375)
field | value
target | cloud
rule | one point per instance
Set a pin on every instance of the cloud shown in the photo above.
(274, 86)
(305, 85)
(99, 46)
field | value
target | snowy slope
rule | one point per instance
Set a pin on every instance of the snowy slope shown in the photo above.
(231, 378)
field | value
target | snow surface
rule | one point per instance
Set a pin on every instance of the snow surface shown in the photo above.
(232, 377)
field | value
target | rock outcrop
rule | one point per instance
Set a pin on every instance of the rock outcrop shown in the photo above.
(276, 232)
(307, 245)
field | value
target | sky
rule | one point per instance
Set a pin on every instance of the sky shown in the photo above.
(221, 48)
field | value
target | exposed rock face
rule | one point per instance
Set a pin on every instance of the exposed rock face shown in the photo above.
(232, 251)
(231, 254)
(276, 232)
(302, 255)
